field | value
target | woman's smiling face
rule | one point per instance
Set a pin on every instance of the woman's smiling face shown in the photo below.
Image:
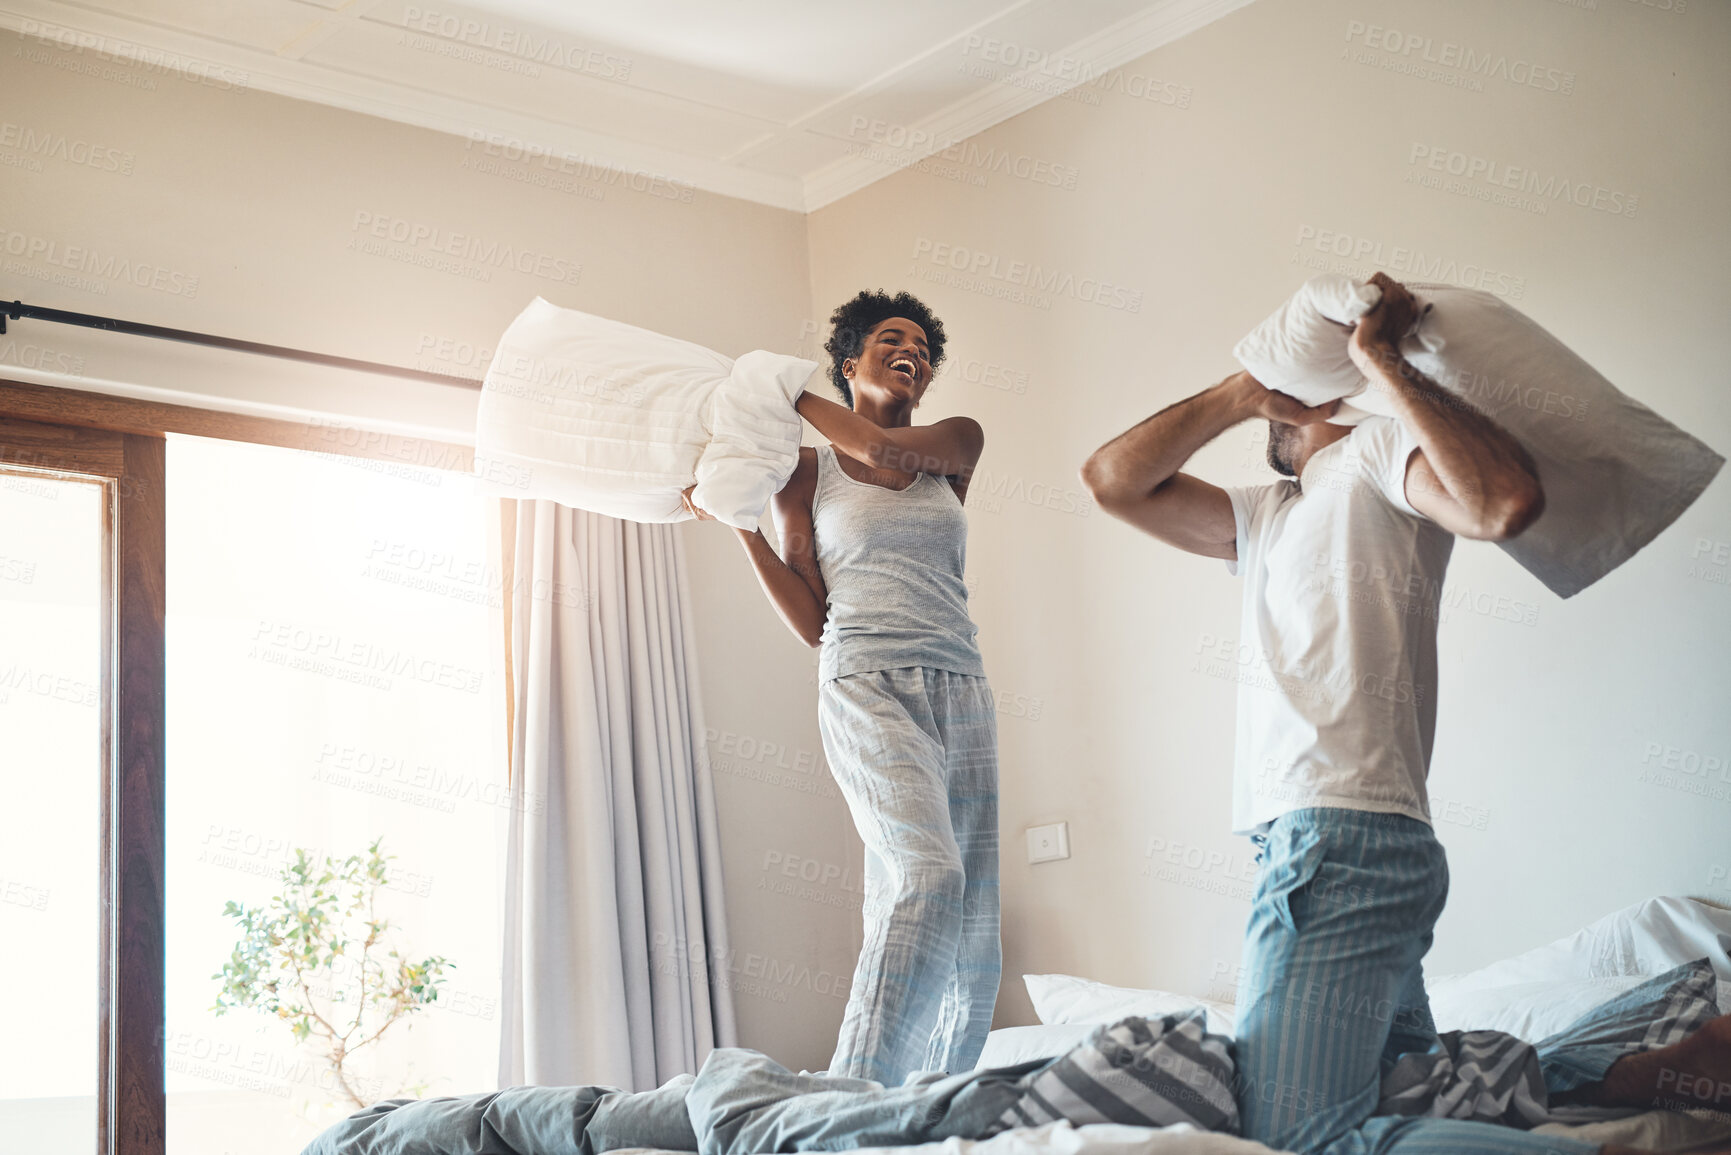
(896, 359)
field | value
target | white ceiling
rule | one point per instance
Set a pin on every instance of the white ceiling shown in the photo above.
(792, 103)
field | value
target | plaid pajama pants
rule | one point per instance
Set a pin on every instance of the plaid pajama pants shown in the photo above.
(1332, 992)
(915, 753)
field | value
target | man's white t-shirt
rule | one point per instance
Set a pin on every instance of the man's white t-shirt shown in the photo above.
(1336, 659)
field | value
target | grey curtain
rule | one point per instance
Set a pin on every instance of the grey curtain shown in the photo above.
(615, 932)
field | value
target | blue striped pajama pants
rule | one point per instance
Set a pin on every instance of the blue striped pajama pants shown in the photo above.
(915, 752)
(1332, 990)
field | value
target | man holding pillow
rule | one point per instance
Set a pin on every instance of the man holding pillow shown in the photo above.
(1343, 567)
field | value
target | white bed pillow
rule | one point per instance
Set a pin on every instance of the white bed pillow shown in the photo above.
(1615, 473)
(1300, 349)
(1530, 1011)
(754, 436)
(620, 420)
(1068, 999)
(1646, 938)
(1007, 1046)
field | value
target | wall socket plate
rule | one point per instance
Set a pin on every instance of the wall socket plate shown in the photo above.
(1049, 843)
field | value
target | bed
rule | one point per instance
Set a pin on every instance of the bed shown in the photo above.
(1649, 975)
(1531, 996)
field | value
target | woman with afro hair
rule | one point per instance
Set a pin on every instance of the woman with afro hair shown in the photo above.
(873, 545)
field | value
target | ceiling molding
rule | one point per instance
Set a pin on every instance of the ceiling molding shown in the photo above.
(288, 74)
(407, 104)
(1096, 53)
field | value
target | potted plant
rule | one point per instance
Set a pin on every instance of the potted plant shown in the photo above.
(318, 957)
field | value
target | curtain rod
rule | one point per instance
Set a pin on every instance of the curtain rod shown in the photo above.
(18, 310)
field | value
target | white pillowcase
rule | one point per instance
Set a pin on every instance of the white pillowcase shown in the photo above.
(1530, 1011)
(1615, 473)
(1007, 1046)
(1547, 988)
(1300, 349)
(609, 417)
(1644, 939)
(1068, 999)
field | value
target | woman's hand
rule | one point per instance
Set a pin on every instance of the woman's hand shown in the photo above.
(692, 507)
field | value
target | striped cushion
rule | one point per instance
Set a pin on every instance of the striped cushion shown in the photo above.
(1148, 1073)
(1494, 1077)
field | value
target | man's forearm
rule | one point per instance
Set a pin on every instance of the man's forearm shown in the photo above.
(1477, 462)
(1134, 464)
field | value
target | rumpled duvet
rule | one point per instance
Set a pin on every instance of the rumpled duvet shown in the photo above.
(1152, 1073)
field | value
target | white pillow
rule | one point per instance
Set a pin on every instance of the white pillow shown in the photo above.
(1647, 938)
(1531, 1011)
(1007, 1046)
(1300, 349)
(754, 435)
(1068, 999)
(609, 417)
(1615, 473)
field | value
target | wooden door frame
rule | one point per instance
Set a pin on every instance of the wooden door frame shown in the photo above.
(131, 1114)
(122, 442)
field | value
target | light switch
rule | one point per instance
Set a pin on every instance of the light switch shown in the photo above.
(1049, 843)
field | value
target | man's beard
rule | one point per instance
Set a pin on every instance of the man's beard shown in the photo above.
(1282, 445)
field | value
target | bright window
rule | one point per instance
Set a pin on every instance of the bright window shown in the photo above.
(50, 824)
(329, 630)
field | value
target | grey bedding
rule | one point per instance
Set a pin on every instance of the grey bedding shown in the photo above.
(1148, 1072)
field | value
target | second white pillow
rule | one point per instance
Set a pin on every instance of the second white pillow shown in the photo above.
(1068, 999)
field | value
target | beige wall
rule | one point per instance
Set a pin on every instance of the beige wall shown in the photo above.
(1197, 182)
(1204, 207)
